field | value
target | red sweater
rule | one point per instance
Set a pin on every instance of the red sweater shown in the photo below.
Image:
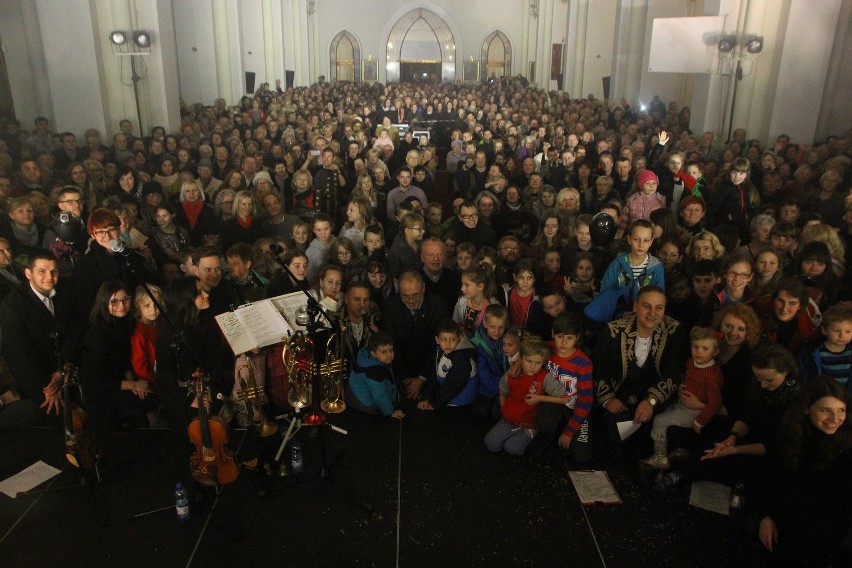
(143, 351)
(515, 408)
(706, 384)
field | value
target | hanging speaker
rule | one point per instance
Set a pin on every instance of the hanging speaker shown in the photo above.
(290, 77)
(249, 81)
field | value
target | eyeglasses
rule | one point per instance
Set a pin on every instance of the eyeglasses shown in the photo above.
(105, 232)
(118, 301)
(739, 275)
(77, 201)
(418, 229)
(344, 253)
(510, 249)
(468, 216)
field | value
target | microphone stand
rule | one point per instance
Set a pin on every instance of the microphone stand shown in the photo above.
(315, 416)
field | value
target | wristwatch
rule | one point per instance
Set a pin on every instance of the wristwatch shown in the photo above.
(652, 400)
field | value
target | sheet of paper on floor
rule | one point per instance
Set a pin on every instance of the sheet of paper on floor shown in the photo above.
(710, 496)
(594, 487)
(27, 479)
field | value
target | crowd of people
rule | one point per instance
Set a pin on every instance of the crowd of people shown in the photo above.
(561, 267)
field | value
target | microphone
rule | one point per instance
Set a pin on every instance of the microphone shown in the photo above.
(276, 249)
(117, 245)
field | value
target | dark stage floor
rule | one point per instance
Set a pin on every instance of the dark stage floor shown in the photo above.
(439, 498)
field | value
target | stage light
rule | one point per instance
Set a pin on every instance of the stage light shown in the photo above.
(754, 44)
(727, 44)
(142, 39)
(118, 37)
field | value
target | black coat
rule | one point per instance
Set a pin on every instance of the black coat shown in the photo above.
(206, 224)
(413, 334)
(27, 345)
(98, 266)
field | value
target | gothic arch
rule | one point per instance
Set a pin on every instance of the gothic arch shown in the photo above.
(344, 55)
(496, 55)
(421, 35)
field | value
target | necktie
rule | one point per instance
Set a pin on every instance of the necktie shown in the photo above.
(49, 304)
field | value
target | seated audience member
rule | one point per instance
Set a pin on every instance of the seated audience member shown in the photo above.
(568, 422)
(789, 318)
(522, 390)
(831, 353)
(491, 361)
(240, 273)
(11, 274)
(101, 263)
(651, 350)
(113, 391)
(439, 280)
(317, 251)
(404, 253)
(372, 386)
(703, 380)
(411, 318)
(20, 229)
(195, 215)
(736, 276)
(40, 330)
(244, 227)
(477, 287)
(451, 374)
(773, 391)
(804, 508)
(468, 228)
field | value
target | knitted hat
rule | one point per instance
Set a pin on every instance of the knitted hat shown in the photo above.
(456, 142)
(205, 163)
(644, 177)
(263, 174)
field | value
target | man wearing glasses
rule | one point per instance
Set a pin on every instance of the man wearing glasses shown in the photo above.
(468, 228)
(66, 237)
(39, 332)
(412, 318)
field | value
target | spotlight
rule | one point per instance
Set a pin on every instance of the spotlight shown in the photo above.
(754, 44)
(142, 39)
(118, 37)
(727, 44)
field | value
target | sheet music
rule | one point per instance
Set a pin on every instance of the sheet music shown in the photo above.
(710, 496)
(27, 479)
(238, 336)
(287, 306)
(594, 487)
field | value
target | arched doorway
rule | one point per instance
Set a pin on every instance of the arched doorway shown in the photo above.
(496, 55)
(345, 57)
(421, 47)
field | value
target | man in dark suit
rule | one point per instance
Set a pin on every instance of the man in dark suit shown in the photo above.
(439, 280)
(39, 332)
(412, 318)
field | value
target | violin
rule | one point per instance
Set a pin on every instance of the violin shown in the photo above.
(80, 451)
(212, 463)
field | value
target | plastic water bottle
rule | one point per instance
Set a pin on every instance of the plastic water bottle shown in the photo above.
(297, 462)
(666, 481)
(181, 502)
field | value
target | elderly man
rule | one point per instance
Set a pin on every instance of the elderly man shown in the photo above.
(440, 281)
(412, 318)
(639, 363)
(468, 228)
(355, 322)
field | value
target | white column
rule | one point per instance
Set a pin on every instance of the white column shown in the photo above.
(580, 48)
(522, 63)
(75, 90)
(223, 50)
(296, 24)
(316, 52)
(268, 42)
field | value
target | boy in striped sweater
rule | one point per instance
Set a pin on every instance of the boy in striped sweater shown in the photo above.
(573, 369)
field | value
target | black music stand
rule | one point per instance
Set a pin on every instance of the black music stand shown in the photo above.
(314, 415)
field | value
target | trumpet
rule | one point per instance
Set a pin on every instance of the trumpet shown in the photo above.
(298, 359)
(331, 375)
(251, 393)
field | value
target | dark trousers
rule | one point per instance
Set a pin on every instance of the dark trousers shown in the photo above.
(551, 422)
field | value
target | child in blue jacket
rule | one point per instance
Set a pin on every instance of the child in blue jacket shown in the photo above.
(372, 387)
(491, 362)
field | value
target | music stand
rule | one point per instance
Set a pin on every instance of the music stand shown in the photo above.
(314, 415)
